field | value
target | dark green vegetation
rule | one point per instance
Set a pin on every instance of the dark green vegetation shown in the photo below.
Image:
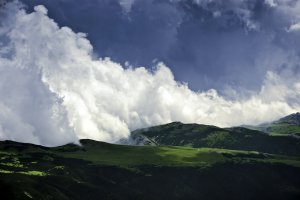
(201, 162)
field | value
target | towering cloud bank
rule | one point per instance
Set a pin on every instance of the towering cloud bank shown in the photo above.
(53, 90)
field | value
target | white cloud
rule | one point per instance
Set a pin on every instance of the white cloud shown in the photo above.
(294, 27)
(53, 91)
(272, 3)
(127, 4)
(241, 8)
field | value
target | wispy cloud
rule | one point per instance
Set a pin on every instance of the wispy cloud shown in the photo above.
(294, 27)
(127, 4)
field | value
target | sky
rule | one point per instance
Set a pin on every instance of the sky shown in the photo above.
(207, 43)
(99, 69)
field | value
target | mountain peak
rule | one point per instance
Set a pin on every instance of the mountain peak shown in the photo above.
(293, 119)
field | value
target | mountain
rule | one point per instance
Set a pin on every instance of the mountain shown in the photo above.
(293, 119)
(97, 170)
(171, 161)
(238, 138)
(289, 125)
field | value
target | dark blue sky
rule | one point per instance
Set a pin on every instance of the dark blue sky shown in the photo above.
(208, 44)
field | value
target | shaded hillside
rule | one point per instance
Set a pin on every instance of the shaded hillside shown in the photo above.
(99, 170)
(239, 138)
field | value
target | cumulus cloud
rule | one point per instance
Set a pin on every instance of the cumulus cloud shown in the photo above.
(54, 91)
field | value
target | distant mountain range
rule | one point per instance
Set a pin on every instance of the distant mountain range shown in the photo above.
(279, 137)
(171, 161)
(293, 119)
(289, 125)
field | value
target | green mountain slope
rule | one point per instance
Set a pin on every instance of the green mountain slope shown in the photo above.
(289, 125)
(99, 170)
(239, 138)
(293, 119)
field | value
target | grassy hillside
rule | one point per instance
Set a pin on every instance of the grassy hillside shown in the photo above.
(99, 170)
(195, 135)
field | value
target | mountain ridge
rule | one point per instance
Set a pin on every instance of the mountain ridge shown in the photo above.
(199, 135)
(293, 119)
(288, 125)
